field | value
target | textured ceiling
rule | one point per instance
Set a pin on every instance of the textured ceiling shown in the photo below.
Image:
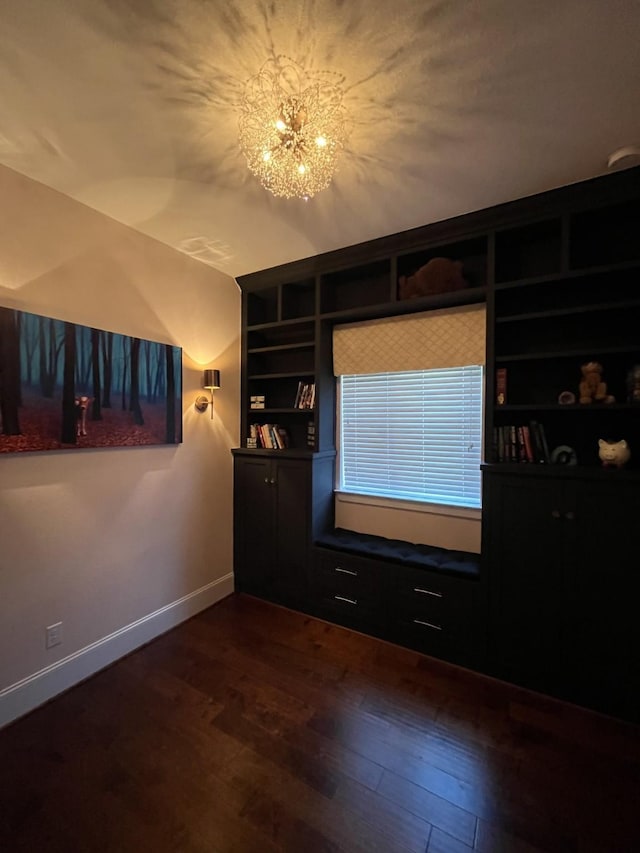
(130, 106)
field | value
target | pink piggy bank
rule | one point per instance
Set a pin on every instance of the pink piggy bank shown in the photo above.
(614, 454)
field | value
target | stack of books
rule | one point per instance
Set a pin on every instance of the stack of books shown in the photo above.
(521, 443)
(306, 396)
(269, 436)
(311, 435)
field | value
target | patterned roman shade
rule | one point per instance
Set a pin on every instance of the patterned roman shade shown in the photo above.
(451, 337)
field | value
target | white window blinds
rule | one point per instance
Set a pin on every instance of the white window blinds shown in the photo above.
(414, 435)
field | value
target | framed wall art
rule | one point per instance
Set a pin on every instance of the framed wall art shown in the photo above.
(65, 386)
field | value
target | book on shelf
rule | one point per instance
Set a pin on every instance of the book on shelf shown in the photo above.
(501, 386)
(539, 442)
(305, 396)
(268, 436)
(311, 435)
(522, 443)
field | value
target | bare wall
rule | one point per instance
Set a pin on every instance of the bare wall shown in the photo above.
(120, 544)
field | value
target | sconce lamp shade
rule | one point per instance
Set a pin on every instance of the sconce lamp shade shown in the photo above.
(211, 379)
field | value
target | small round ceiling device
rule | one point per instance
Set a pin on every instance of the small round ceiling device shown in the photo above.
(624, 158)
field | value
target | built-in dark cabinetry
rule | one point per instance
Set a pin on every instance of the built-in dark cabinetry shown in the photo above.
(438, 614)
(563, 584)
(289, 314)
(566, 293)
(554, 604)
(276, 510)
(349, 589)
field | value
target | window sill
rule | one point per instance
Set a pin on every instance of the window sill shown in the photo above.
(409, 506)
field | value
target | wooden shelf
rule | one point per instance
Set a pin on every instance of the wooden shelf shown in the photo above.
(565, 312)
(581, 352)
(282, 347)
(283, 411)
(567, 275)
(572, 407)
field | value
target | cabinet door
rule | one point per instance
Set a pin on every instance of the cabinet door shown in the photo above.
(292, 496)
(524, 557)
(602, 636)
(254, 523)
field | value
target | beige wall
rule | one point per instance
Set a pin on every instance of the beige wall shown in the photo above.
(119, 544)
(460, 532)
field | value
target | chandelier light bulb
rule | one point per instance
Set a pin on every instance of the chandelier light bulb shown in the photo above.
(292, 127)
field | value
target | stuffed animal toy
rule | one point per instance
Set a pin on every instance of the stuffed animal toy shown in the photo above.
(439, 275)
(633, 384)
(592, 388)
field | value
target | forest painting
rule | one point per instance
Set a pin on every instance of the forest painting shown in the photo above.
(68, 386)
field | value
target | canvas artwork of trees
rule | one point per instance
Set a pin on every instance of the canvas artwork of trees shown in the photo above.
(68, 386)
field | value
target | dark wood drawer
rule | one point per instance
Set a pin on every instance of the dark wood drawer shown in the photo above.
(434, 612)
(346, 587)
(346, 573)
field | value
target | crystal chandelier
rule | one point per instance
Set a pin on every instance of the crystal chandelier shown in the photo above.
(292, 127)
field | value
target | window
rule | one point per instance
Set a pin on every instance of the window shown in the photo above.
(414, 435)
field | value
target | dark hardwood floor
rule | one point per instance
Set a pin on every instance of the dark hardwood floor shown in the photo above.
(254, 728)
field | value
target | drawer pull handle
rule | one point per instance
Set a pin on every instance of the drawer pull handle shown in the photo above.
(346, 571)
(427, 592)
(428, 624)
(346, 600)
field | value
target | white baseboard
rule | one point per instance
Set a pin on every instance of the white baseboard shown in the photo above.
(32, 691)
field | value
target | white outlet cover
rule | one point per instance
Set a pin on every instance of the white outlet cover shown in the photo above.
(53, 635)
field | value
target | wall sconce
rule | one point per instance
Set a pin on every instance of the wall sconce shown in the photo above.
(210, 381)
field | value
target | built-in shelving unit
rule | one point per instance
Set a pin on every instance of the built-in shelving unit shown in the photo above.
(566, 293)
(560, 275)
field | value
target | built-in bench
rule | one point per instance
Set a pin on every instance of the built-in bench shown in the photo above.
(443, 560)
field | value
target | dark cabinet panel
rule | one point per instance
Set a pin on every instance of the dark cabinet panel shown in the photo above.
(523, 546)
(255, 524)
(281, 500)
(292, 524)
(601, 639)
(558, 549)
(272, 498)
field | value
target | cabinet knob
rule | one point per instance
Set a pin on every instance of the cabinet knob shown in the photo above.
(570, 516)
(266, 479)
(272, 481)
(555, 513)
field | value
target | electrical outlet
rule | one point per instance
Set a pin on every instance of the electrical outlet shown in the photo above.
(53, 635)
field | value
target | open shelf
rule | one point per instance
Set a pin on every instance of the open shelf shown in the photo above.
(470, 254)
(355, 287)
(529, 251)
(605, 235)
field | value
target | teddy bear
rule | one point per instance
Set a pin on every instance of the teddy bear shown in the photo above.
(439, 275)
(592, 388)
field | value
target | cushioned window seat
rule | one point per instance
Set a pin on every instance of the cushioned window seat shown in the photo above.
(405, 553)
